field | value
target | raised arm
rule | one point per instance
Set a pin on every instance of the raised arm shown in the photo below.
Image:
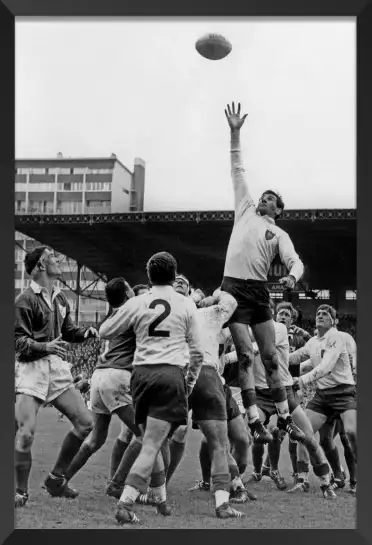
(196, 349)
(119, 321)
(222, 306)
(243, 199)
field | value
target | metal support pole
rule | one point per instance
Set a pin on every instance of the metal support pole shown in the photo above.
(77, 310)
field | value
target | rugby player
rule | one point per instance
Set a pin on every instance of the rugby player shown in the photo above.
(140, 289)
(110, 383)
(254, 242)
(330, 369)
(163, 321)
(43, 329)
(267, 408)
(286, 314)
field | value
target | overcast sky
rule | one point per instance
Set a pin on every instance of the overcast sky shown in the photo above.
(90, 88)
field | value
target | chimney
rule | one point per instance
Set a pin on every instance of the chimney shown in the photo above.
(138, 185)
(59, 155)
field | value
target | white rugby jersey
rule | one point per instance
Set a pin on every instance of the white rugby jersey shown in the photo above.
(282, 349)
(351, 348)
(163, 322)
(211, 320)
(255, 240)
(329, 358)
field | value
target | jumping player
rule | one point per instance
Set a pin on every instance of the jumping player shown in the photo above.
(254, 242)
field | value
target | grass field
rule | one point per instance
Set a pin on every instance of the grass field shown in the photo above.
(93, 510)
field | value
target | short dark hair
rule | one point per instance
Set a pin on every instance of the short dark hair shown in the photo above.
(32, 258)
(288, 306)
(279, 200)
(161, 269)
(116, 292)
(140, 287)
(329, 308)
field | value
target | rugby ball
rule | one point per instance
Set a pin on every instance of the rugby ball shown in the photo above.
(213, 47)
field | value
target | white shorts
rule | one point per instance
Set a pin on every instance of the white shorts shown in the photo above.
(45, 379)
(110, 390)
(237, 395)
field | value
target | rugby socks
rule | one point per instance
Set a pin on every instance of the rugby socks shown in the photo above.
(258, 450)
(221, 497)
(117, 453)
(205, 462)
(70, 446)
(157, 487)
(134, 486)
(322, 472)
(165, 452)
(249, 403)
(23, 463)
(274, 450)
(176, 454)
(292, 448)
(129, 495)
(333, 458)
(351, 463)
(127, 461)
(282, 408)
(303, 471)
(81, 458)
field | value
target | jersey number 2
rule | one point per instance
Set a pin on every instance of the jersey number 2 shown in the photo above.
(153, 332)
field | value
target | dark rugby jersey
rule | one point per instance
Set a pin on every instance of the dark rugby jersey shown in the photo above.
(36, 323)
(120, 353)
(296, 341)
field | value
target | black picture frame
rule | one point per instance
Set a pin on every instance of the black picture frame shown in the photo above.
(362, 11)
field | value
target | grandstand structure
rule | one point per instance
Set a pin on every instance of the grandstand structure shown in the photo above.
(119, 244)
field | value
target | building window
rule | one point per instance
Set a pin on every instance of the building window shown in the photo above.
(20, 186)
(37, 171)
(323, 294)
(41, 207)
(81, 170)
(22, 170)
(20, 206)
(98, 186)
(19, 253)
(72, 207)
(60, 170)
(42, 186)
(101, 171)
(351, 295)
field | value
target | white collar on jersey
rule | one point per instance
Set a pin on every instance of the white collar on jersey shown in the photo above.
(267, 218)
(36, 288)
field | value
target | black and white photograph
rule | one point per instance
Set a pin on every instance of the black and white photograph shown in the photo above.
(185, 273)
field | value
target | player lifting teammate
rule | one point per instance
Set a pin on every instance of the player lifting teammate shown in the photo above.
(254, 242)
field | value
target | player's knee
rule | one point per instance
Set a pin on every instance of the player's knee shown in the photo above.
(25, 438)
(179, 435)
(83, 427)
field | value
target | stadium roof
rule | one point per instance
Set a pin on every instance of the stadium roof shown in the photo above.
(120, 244)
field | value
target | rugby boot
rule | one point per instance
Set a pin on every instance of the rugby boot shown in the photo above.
(201, 485)
(278, 480)
(164, 509)
(241, 495)
(260, 433)
(20, 499)
(287, 425)
(255, 477)
(58, 487)
(337, 483)
(266, 471)
(225, 511)
(300, 486)
(352, 488)
(114, 490)
(125, 514)
(146, 499)
(328, 492)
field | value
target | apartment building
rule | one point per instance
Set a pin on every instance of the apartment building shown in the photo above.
(66, 185)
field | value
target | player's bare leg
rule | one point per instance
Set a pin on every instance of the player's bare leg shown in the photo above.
(308, 449)
(349, 420)
(154, 434)
(215, 432)
(349, 457)
(326, 441)
(244, 350)
(72, 405)
(238, 459)
(121, 444)
(264, 334)
(26, 410)
(177, 448)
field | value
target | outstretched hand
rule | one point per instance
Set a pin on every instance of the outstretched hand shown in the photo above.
(233, 118)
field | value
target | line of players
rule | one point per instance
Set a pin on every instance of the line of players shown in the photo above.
(146, 362)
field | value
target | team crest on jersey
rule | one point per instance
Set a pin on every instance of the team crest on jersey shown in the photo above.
(269, 235)
(62, 310)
